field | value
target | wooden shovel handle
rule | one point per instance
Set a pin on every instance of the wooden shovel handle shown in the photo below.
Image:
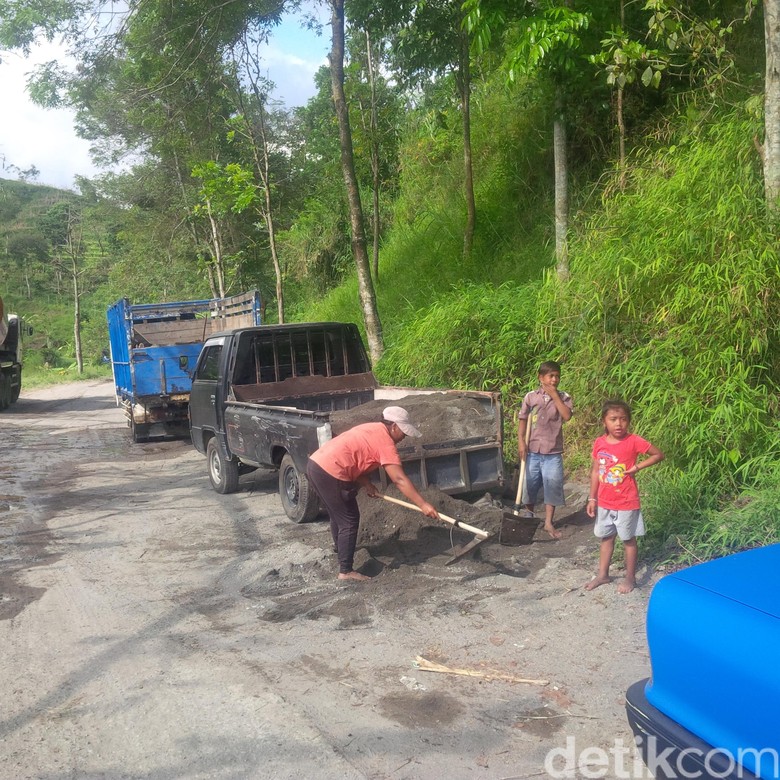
(521, 478)
(476, 531)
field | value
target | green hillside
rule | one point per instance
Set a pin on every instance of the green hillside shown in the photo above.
(671, 305)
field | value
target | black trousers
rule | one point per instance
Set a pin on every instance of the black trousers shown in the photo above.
(340, 499)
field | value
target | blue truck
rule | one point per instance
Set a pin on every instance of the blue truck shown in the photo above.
(154, 348)
(709, 710)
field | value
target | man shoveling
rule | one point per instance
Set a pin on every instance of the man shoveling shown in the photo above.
(339, 468)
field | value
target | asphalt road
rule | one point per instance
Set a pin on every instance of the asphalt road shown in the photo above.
(151, 628)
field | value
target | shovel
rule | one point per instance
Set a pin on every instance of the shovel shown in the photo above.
(480, 535)
(518, 526)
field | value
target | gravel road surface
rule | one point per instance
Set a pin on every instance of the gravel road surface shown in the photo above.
(151, 628)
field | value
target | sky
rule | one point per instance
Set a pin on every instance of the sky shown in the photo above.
(46, 139)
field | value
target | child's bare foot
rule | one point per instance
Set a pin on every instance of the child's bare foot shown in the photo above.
(626, 585)
(596, 581)
(553, 531)
(353, 575)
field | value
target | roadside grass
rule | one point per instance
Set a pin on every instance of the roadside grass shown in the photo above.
(38, 376)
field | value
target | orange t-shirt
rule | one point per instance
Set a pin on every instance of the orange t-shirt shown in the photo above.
(357, 451)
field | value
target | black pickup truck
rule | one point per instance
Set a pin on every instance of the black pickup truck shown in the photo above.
(264, 397)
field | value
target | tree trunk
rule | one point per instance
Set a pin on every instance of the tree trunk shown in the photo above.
(561, 190)
(772, 105)
(365, 284)
(621, 122)
(265, 176)
(374, 157)
(216, 250)
(262, 166)
(464, 85)
(77, 319)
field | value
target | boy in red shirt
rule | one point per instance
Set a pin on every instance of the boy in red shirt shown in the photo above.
(614, 496)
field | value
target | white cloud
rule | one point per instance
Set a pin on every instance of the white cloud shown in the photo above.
(46, 139)
(30, 135)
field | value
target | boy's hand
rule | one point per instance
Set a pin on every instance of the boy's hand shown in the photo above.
(591, 508)
(550, 389)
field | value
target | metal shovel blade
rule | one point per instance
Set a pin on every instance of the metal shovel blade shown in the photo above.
(464, 549)
(517, 530)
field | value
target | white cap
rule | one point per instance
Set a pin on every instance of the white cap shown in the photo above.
(400, 417)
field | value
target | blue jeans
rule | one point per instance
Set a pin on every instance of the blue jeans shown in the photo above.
(544, 472)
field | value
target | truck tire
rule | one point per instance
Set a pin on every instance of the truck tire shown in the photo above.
(16, 392)
(5, 391)
(140, 433)
(299, 499)
(223, 473)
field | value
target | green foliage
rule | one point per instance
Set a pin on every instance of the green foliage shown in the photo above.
(224, 189)
(445, 344)
(548, 38)
(698, 526)
(671, 306)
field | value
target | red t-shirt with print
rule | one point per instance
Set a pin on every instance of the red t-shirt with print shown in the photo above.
(618, 490)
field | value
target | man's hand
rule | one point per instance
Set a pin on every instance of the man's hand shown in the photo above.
(371, 490)
(429, 510)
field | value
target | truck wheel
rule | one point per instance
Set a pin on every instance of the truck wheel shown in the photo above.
(5, 392)
(140, 433)
(299, 499)
(222, 473)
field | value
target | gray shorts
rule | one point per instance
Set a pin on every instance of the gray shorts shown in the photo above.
(626, 523)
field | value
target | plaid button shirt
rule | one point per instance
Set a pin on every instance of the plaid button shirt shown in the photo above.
(546, 421)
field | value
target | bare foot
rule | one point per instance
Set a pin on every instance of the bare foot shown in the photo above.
(353, 575)
(553, 531)
(596, 581)
(626, 585)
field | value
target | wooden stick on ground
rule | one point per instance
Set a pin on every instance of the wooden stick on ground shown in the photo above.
(431, 666)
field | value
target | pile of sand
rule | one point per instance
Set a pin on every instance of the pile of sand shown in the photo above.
(440, 417)
(381, 520)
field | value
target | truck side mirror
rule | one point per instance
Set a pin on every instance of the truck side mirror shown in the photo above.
(184, 362)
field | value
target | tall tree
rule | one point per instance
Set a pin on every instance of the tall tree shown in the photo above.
(252, 124)
(64, 228)
(548, 42)
(432, 39)
(359, 250)
(771, 149)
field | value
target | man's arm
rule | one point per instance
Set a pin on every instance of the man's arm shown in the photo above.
(404, 484)
(365, 482)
